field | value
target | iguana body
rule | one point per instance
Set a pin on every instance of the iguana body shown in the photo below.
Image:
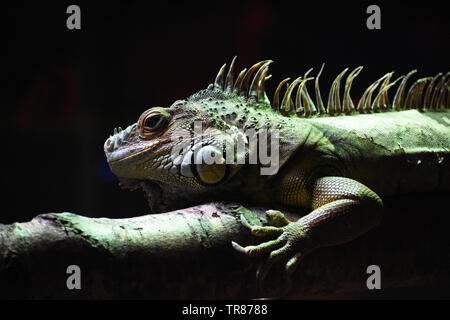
(334, 164)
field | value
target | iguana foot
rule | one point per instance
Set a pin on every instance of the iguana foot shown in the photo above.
(291, 244)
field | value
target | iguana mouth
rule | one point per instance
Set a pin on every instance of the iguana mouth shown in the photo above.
(124, 144)
(121, 154)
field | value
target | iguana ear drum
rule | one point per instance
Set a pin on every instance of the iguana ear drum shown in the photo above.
(210, 165)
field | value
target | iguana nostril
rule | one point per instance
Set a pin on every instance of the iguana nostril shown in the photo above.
(109, 144)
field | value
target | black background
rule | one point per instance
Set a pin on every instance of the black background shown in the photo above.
(65, 90)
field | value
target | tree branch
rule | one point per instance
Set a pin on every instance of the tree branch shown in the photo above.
(187, 254)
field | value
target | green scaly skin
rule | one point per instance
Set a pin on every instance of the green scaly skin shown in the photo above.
(336, 166)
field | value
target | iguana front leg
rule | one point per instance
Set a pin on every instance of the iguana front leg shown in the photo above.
(342, 209)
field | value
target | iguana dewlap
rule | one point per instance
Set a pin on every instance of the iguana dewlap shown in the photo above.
(334, 160)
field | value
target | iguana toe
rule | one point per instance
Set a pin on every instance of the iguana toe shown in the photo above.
(290, 245)
(260, 231)
(278, 218)
(260, 249)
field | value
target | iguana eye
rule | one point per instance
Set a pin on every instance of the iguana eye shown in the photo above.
(152, 122)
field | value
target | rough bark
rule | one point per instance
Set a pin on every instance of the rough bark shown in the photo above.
(186, 254)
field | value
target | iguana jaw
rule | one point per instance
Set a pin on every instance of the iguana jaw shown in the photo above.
(125, 153)
(128, 155)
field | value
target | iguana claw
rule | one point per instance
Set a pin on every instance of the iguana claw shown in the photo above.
(289, 245)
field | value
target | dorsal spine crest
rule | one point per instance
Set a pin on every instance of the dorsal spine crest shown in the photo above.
(249, 88)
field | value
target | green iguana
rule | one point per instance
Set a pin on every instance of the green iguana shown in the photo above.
(336, 160)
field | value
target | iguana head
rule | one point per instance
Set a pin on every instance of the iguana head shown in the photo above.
(180, 151)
